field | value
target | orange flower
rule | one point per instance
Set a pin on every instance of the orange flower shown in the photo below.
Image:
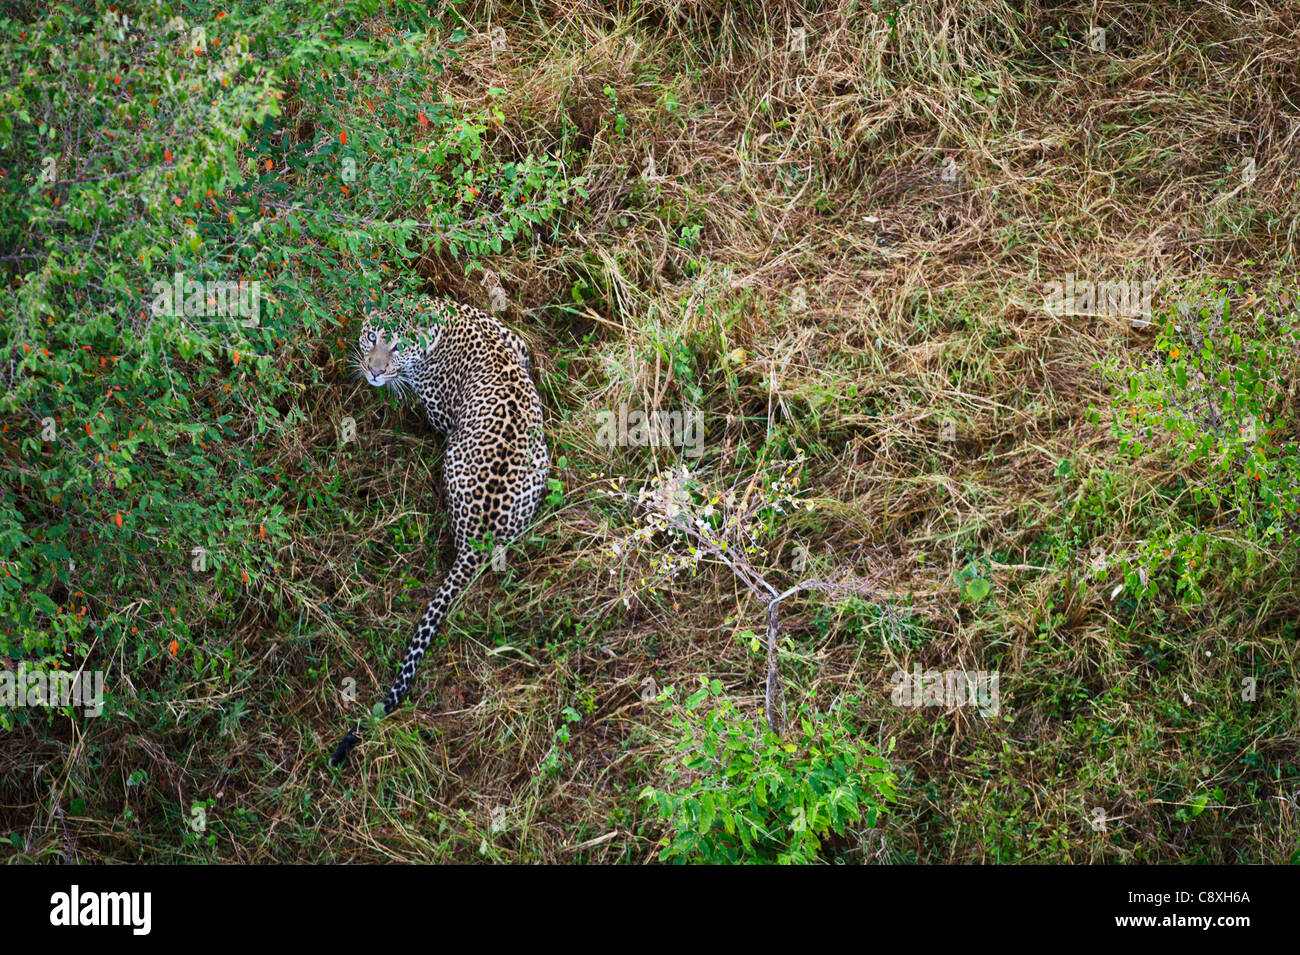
(117, 519)
(173, 647)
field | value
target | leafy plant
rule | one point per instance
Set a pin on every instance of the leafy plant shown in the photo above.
(1218, 396)
(972, 584)
(739, 793)
(553, 761)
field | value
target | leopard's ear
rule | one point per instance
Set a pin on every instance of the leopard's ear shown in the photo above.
(427, 339)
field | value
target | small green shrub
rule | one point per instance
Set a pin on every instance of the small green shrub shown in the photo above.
(739, 793)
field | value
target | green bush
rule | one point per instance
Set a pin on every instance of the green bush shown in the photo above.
(1219, 401)
(737, 792)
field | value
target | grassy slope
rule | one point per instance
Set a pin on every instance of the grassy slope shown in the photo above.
(819, 169)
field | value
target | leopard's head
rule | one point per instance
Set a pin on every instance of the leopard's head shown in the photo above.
(384, 350)
(391, 345)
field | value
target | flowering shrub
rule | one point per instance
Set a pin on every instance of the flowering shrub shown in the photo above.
(681, 521)
(1220, 396)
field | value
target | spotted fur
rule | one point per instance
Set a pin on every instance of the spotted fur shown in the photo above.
(471, 374)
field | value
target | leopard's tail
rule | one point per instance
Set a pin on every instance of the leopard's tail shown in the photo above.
(463, 569)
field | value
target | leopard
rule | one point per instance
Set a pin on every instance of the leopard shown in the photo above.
(471, 374)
